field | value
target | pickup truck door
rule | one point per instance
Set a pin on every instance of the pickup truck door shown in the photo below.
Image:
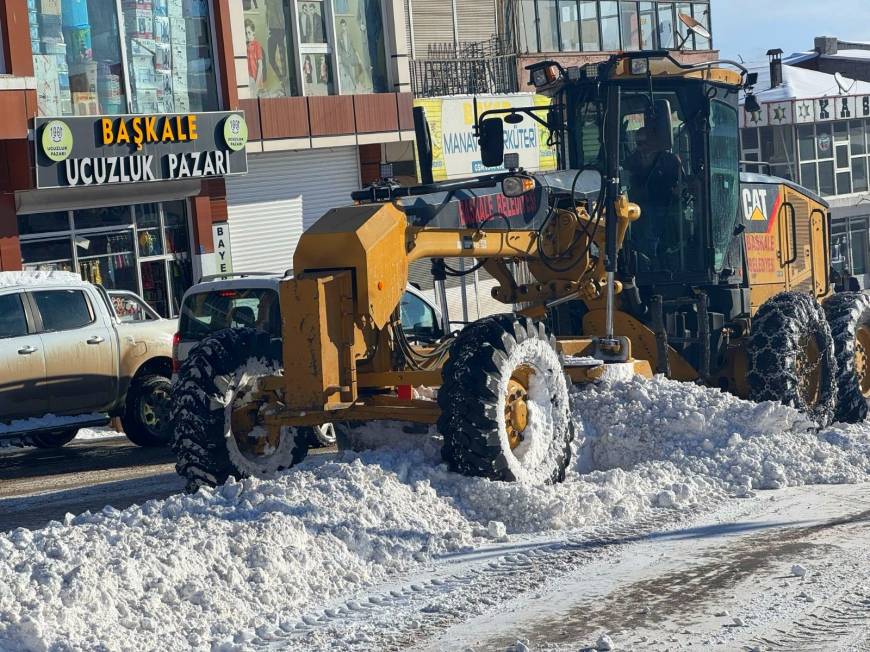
(22, 362)
(80, 350)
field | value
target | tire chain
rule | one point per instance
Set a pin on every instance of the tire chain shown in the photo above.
(845, 313)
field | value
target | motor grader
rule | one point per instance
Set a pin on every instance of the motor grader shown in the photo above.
(647, 252)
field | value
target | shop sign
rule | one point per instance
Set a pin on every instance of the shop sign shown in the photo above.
(222, 248)
(455, 150)
(108, 150)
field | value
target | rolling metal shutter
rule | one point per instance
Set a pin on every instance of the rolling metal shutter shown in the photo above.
(476, 19)
(433, 23)
(283, 194)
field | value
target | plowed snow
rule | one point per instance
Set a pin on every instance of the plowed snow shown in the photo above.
(254, 556)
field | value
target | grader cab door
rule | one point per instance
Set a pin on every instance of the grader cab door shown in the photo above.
(804, 235)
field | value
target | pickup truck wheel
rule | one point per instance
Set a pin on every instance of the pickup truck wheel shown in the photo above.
(53, 439)
(146, 419)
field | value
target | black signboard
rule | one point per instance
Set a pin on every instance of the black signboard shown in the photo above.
(106, 150)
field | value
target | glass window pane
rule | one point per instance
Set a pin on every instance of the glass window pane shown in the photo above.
(859, 247)
(750, 138)
(859, 174)
(724, 175)
(317, 75)
(148, 230)
(701, 13)
(842, 156)
(101, 217)
(47, 255)
(589, 26)
(630, 25)
(169, 55)
(808, 176)
(569, 25)
(647, 25)
(62, 310)
(177, 241)
(270, 46)
(530, 29)
(824, 141)
(77, 58)
(856, 137)
(806, 142)
(610, 26)
(108, 260)
(147, 216)
(208, 312)
(13, 323)
(547, 19)
(418, 318)
(362, 61)
(844, 183)
(312, 21)
(683, 33)
(181, 280)
(666, 25)
(826, 178)
(43, 223)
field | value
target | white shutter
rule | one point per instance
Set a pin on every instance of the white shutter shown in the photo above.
(433, 23)
(283, 194)
(476, 19)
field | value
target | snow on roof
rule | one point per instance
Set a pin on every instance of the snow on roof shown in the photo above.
(850, 54)
(799, 83)
(21, 279)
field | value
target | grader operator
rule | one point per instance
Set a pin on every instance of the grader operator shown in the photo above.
(649, 252)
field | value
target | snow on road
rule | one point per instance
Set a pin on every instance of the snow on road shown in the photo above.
(316, 555)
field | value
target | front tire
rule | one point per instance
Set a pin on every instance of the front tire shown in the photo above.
(216, 415)
(791, 356)
(849, 317)
(53, 440)
(504, 402)
(146, 417)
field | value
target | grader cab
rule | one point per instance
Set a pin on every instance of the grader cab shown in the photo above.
(648, 252)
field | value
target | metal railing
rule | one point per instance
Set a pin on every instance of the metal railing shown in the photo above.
(465, 69)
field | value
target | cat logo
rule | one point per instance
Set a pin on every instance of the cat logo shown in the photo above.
(755, 204)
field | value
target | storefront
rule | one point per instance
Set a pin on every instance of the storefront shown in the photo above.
(114, 198)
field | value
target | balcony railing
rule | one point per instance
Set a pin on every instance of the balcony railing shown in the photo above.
(465, 69)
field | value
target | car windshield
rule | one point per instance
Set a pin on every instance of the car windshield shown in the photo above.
(204, 313)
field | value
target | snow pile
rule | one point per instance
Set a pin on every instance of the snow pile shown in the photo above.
(257, 556)
(29, 279)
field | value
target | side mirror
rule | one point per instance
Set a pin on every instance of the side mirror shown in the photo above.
(751, 104)
(517, 185)
(492, 142)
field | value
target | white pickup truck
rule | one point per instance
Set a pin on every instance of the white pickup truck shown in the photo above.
(73, 355)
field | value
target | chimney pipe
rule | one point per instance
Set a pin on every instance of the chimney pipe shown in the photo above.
(775, 67)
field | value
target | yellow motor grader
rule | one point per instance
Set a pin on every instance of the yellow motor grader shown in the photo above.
(647, 252)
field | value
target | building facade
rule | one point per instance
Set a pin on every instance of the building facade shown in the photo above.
(814, 129)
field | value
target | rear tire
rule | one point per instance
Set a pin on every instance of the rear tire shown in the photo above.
(791, 356)
(218, 377)
(51, 440)
(504, 402)
(146, 417)
(849, 317)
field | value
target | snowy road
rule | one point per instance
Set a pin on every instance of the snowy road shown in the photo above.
(681, 503)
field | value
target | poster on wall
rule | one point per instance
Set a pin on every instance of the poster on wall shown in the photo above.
(317, 74)
(455, 151)
(269, 40)
(359, 33)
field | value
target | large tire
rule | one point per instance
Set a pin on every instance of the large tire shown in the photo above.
(51, 440)
(146, 415)
(849, 317)
(501, 367)
(791, 356)
(218, 376)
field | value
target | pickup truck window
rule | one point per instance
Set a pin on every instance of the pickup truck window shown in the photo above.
(63, 310)
(208, 312)
(13, 323)
(130, 309)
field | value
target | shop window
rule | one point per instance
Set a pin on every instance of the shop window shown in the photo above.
(630, 26)
(530, 25)
(824, 142)
(859, 240)
(859, 174)
(569, 25)
(359, 30)
(43, 223)
(806, 142)
(589, 26)
(809, 172)
(666, 25)
(63, 310)
(826, 178)
(547, 25)
(47, 255)
(108, 260)
(148, 232)
(100, 218)
(269, 38)
(13, 323)
(610, 26)
(839, 247)
(647, 25)
(856, 137)
(80, 71)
